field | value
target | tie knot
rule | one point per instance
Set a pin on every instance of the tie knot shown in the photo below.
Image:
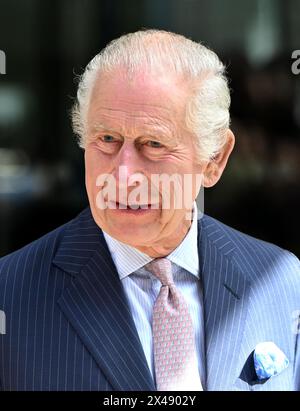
(162, 269)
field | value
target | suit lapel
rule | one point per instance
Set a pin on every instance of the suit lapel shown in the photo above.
(95, 304)
(225, 293)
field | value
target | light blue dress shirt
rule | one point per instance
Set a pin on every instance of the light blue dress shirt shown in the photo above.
(142, 288)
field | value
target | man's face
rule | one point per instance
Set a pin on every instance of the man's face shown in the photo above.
(138, 125)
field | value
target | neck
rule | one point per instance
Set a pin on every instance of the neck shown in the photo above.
(168, 244)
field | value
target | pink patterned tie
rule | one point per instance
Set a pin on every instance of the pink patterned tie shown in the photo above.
(173, 335)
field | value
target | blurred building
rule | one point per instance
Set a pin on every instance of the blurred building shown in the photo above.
(48, 43)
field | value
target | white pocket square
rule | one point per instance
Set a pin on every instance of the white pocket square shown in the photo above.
(269, 360)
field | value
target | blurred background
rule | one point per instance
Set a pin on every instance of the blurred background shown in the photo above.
(47, 43)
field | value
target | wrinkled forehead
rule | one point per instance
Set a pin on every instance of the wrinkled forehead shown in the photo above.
(139, 89)
(144, 104)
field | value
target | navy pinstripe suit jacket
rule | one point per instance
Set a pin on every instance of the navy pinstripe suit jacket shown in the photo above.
(69, 327)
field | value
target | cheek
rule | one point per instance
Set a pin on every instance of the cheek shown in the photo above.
(92, 170)
(95, 164)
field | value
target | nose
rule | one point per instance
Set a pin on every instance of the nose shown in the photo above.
(128, 164)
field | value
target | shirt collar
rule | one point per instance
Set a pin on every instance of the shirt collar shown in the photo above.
(128, 259)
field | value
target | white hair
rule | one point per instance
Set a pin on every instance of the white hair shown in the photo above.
(207, 109)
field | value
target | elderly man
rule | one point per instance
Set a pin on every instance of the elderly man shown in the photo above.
(141, 291)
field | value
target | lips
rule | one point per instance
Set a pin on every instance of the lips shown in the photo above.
(122, 206)
(133, 206)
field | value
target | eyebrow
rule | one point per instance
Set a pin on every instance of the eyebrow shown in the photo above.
(99, 127)
(164, 136)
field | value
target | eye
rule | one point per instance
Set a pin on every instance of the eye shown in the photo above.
(154, 144)
(108, 139)
(108, 144)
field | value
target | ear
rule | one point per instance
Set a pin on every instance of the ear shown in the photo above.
(216, 166)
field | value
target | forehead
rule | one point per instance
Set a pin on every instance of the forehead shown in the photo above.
(155, 94)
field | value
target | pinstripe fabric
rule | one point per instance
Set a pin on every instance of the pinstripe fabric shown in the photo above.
(251, 290)
(142, 287)
(69, 325)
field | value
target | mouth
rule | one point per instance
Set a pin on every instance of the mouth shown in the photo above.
(115, 205)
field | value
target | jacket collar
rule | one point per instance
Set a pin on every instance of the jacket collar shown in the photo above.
(96, 305)
(225, 292)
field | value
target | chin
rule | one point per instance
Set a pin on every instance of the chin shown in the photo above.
(127, 230)
(134, 236)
